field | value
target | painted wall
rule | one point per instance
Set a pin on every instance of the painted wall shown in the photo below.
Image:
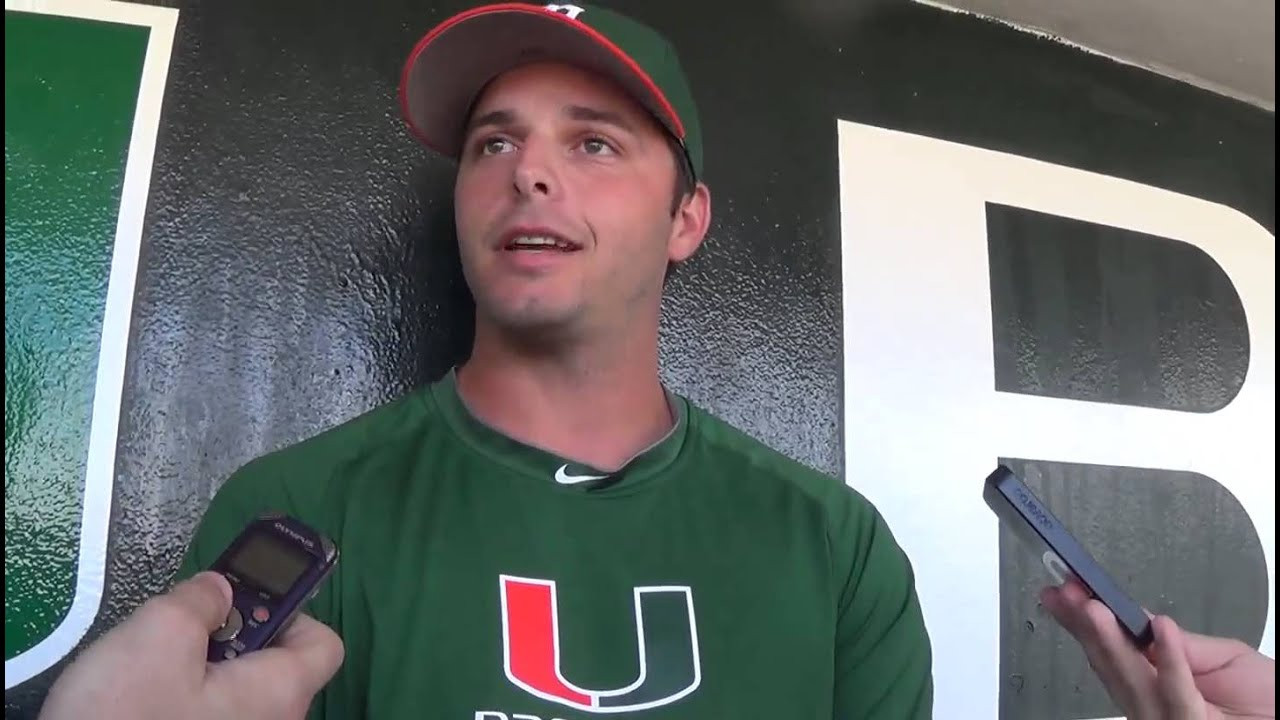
(937, 243)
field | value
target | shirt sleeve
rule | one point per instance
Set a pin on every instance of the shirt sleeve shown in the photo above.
(883, 657)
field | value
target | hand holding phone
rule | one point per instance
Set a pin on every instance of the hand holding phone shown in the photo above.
(1042, 532)
(1181, 676)
(274, 566)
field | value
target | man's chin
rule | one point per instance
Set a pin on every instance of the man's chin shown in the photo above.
(530, 320)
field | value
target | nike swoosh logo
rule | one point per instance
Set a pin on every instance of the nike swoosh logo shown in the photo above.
(564, 478)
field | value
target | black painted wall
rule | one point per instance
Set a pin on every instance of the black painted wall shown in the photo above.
(298, 266)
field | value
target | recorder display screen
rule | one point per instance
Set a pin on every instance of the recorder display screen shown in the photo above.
(269, 563)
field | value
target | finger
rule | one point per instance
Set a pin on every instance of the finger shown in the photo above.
(1206, 653)
(1066, 603)
(313, 650)
(1127, 676)
(1136, 674)
(205, 596)
(1174, 682)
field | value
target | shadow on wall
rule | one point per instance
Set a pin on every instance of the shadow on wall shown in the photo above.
(432, 310)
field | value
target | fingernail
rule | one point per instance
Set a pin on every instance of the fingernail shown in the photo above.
(223, 585)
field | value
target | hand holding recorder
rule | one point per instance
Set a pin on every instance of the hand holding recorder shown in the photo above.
(153, 667)
(231, 643)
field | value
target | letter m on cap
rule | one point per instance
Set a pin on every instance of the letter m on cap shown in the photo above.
(78, 155)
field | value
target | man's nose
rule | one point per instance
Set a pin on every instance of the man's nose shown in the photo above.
(535, 172)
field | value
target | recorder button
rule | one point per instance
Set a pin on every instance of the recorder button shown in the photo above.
(230, 628)
(261, 614)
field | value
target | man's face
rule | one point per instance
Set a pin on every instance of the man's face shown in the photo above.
(563, 204)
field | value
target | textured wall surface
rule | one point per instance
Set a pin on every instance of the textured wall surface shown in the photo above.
(298, 268)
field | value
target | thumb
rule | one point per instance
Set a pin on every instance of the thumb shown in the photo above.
(206, 597)
(1176, 686)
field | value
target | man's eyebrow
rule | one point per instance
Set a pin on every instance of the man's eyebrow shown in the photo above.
(493, 117)
(587, 114)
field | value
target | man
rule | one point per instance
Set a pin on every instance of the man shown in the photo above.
(548, 532)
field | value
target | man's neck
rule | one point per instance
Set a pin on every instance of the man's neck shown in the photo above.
(595, 405)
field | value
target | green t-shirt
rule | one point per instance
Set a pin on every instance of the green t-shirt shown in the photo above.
(483, 579)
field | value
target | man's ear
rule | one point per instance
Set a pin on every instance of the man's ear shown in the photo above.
(689, 225)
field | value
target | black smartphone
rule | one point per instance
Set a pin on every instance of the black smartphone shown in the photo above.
(275, 565)
(1020, 509)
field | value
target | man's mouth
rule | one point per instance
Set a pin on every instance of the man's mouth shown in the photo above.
(538, 242)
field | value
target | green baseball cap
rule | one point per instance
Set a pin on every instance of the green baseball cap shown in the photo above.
(453, 62)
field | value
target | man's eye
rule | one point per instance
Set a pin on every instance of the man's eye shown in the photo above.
(495, 146)
(596, 146)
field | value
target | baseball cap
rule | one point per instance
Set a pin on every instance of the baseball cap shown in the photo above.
(453, 62)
